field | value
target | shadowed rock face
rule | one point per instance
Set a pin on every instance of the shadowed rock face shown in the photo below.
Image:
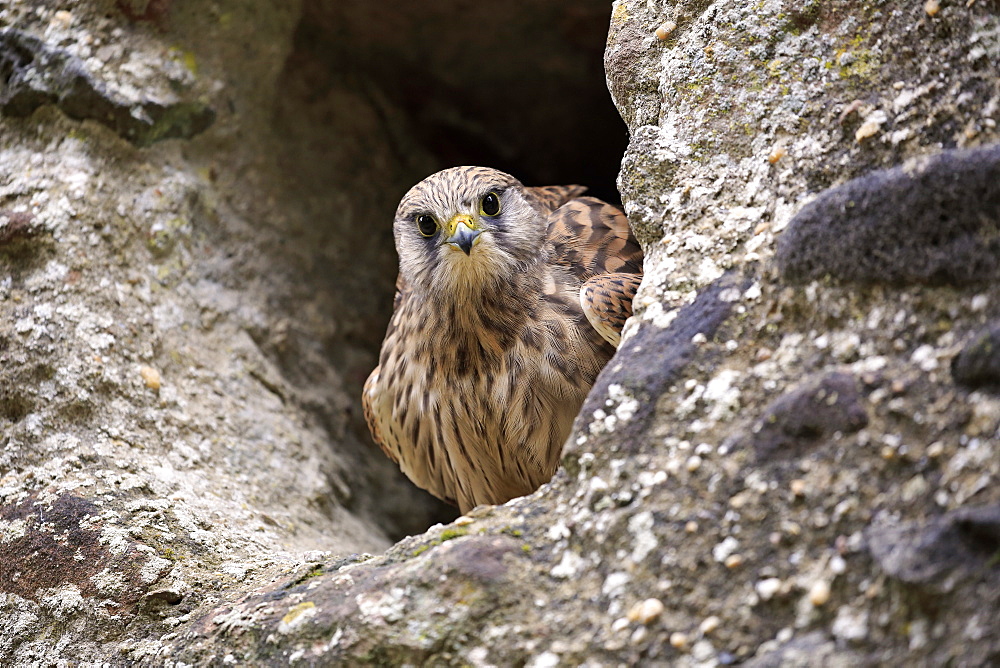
(793, 457)
(978, 363)
(944, 552)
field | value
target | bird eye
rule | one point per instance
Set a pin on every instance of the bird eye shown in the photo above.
(427, 225)
(490, 205)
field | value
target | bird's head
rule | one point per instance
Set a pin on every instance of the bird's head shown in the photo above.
(465, 229)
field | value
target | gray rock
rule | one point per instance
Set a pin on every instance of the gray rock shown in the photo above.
(807, 415)
(184, 330)
(36, 74)
(942, 551)
(978, 363)
(808, 651)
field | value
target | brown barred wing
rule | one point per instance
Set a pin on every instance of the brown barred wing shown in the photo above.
(607, 302)
(550, 198)
(591, 237)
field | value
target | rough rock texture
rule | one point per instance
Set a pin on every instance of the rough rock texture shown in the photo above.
(809, 415)
(934, 220)
(978, 363)
(780, 467)
(36, 73)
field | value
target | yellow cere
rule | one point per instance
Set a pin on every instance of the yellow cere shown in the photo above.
(452, 224)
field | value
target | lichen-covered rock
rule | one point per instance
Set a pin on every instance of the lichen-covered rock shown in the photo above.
(62, 545)
(165, 425)
(368, 605)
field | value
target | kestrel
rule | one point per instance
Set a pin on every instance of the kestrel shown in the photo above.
(509, 302)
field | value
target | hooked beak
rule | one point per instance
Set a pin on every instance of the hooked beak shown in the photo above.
(464, 233)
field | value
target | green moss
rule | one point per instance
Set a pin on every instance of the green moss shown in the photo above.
(183, 120)
(571, 463)
(446, 535)
(316, 571)
(863, 64)
(449, 534)
(162, 241)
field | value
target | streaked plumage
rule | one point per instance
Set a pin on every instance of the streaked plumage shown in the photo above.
(490, 350)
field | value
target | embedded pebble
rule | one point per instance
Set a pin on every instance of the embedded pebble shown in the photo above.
(873, 123)
(619, 624)
(850, 624)
(151, 377)
(679, 640)
(723, 550)
(977, 365)
(63, 18)
(702, 651)
(646, 611)
(545, 660)
(766, 589)
(819, 593)
(837, 565)
(709, 624)
(665, 29)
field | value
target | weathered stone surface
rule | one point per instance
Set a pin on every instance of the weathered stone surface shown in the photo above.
(806, 415)
(35, 74)
(813, 649)
(343, 614)
(935, 220)
(945, 562)
(943, 551)
(978, 363)
(60, 543)
(184, 330)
